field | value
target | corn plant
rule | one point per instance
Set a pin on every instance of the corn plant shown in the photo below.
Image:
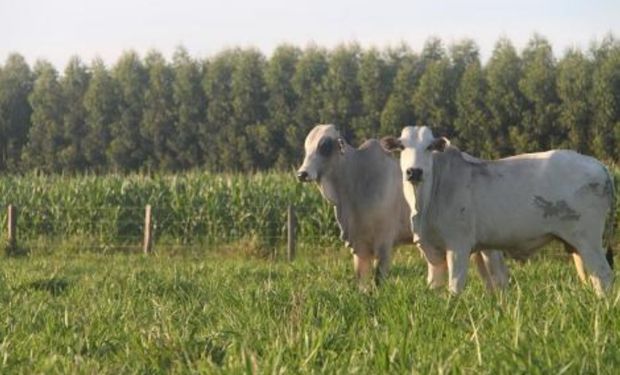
(187, 208)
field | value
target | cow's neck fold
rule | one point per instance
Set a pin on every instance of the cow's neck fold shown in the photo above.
(334, 184)
(423, 193)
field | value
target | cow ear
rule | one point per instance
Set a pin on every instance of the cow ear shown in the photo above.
(439, 144)
(341, 145)
(391, 144)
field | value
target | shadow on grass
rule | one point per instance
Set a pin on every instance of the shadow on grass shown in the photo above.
(16, 251)
(215, 350)
(55, 286)
(407, 270)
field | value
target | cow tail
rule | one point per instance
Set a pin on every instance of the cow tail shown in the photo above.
(610, 223)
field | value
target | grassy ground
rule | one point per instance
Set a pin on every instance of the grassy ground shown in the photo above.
(69, 312)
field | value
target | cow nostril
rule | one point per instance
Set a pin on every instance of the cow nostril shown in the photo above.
(414, 174)
(302, 176)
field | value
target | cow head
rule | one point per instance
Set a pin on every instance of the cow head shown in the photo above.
(323, 144)
(416, 144)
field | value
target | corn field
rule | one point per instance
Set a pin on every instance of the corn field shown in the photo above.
(193, 208)
(188, 209)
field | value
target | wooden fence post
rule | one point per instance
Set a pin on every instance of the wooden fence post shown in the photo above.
(148, 240)
(291, 231)
(11, 225)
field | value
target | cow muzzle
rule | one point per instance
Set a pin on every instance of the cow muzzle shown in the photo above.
(303, 176)
(413, 175)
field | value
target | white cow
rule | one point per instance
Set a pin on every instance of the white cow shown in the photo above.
(364, 185)
(518, 204)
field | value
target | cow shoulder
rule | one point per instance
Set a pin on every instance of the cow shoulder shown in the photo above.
(451, 177)
(452, 195)
(452, 158)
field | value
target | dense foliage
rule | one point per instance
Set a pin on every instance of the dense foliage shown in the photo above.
(241, 111)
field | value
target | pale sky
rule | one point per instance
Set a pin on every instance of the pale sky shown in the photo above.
(57, 29)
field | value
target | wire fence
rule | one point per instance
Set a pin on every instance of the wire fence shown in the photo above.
(122, 228)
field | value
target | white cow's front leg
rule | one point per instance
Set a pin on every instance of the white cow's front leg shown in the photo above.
(458, 260)
(436, 266)
(599, 270)
(496, 268)
(483, 270)
(581, 271)
(436, 277)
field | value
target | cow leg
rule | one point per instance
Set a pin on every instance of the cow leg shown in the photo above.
(581, 272)
(383, 264)
(437, 268)
(482, 270)
(436, 275)
(580, 268)
(457, 269)
(496, 267)
(592, 256)
(363, 268)
(601, 274)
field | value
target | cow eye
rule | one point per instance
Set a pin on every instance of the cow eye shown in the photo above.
(326, 145)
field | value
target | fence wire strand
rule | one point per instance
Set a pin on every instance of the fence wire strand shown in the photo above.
(89, 228)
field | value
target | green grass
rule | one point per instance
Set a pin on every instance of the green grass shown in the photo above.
(216, 297)
(85, 312)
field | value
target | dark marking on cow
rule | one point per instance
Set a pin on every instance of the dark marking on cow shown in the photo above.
(483, 170)
(462, 209)
(609, 185)
(326, 146)
(593, 185)
(608, 191)
(560, 209)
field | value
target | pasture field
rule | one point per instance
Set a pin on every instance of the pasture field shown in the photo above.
(218, 297)
(85, 312)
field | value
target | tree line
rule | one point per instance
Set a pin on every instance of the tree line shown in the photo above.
(241, 111)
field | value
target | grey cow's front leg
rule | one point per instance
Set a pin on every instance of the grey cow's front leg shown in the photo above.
(344, 233)
(382, 266)
(363, 266)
